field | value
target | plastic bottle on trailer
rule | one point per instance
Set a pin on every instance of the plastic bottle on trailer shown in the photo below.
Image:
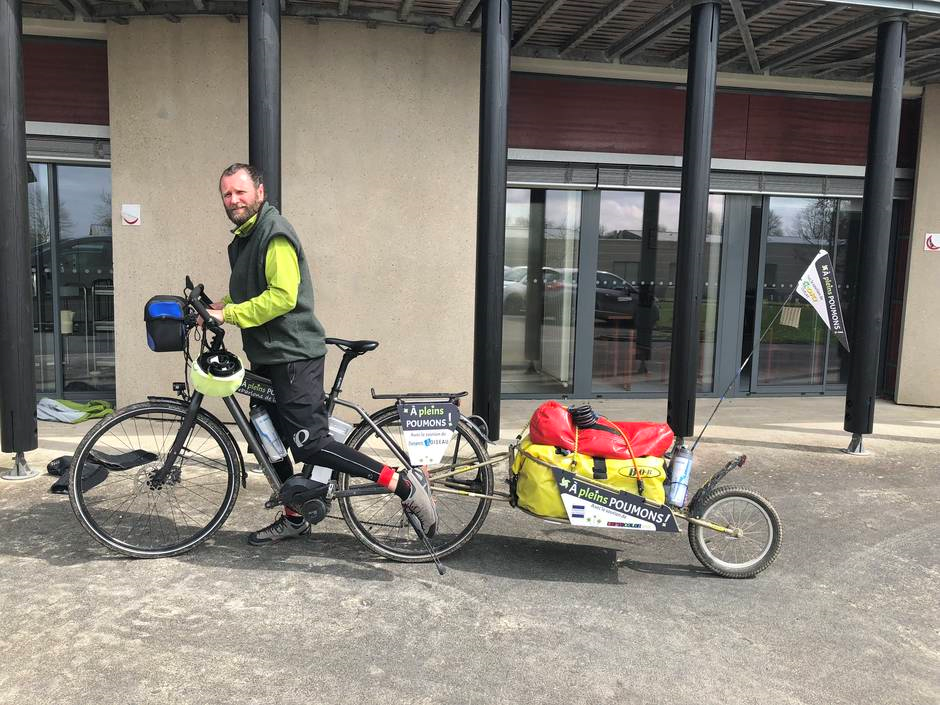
(680, 469)
(271, 442)
(340, 431)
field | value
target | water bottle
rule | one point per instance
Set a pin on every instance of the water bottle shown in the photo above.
(339, 430)
(680, 469)
(271, 442)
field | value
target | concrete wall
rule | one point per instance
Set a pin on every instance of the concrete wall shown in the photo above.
(918, 371)
(379, 179)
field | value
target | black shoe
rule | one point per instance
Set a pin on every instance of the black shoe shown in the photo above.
(280, 529)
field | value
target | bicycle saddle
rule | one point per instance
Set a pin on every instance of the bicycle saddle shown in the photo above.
(356, 346)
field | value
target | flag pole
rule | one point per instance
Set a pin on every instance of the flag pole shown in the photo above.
(814, 285)
(743, 365)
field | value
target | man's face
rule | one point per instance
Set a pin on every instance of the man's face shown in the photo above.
(240, 196)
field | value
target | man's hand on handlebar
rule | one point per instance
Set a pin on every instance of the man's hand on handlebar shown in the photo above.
(215, 310)
(208, 312)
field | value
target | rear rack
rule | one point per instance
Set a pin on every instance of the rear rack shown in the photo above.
(452, 396)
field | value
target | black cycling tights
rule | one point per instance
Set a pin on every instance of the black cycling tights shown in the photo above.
(335, 456)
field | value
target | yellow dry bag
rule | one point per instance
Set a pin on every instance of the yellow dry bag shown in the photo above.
(538, 493)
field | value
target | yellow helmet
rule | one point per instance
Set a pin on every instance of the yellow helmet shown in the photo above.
(217, 374)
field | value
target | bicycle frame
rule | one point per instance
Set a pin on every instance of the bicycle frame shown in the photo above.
(248, 432)
(260, 388)
(244, 425)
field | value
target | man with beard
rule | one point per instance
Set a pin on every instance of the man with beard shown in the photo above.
(271, 300)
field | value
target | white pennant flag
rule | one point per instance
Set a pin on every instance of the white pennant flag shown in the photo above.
(818, 286)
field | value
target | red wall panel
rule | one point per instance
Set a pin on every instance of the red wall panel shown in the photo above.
(66, 80)
(790, 129)
(604, 116)
(607, 116)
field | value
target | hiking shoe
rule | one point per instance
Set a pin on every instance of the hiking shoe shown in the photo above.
(278, 530)
(419, 502)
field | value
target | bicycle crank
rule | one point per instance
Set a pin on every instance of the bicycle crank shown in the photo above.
(307, 497)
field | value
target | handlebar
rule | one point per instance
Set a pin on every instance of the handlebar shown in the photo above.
(198, 300)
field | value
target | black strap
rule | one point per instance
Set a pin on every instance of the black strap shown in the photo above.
(600, 469)
(602, 427)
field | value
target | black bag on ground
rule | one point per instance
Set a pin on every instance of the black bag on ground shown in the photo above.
(92, 474)
(96, 468)
(164, 315)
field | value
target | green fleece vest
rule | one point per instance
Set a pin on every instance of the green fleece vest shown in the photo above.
(297, 335)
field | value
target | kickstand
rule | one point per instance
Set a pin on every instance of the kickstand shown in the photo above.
(416, 525)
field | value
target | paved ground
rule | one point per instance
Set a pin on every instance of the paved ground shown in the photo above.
(528, 612)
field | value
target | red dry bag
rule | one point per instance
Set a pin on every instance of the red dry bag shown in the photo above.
(552, 425)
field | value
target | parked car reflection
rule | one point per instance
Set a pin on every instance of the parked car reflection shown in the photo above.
(615, 298)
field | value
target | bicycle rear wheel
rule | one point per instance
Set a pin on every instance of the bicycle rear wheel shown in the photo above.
(378, 520)
(115, 483)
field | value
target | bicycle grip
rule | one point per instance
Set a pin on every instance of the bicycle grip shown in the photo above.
(196, 297)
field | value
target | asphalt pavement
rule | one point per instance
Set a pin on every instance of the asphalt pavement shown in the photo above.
(528, 612)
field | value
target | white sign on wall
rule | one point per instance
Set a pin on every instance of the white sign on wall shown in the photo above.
(932, 242)
(130, 214)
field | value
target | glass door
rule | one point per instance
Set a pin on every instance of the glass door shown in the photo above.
(86, 280)
(797, 352)
(73, 281)
(635, 291)
(540, 286)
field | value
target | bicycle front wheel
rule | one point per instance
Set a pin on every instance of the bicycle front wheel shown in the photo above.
(125, 500)
(378, 520)
(758, 532)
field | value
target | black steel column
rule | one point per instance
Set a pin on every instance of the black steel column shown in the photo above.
(17, 377)
(491, 211)
(874, 242)
(264, 93)
(693, 212)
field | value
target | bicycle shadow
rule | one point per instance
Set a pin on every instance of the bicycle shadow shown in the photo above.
(545, 560)
(47, 530)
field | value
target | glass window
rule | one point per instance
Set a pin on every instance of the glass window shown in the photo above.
(793, 350)
(543, 230)
(845, 260)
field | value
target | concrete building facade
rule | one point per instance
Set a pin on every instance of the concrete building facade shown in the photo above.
(380, 141)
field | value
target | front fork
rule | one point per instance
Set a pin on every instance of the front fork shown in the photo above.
(160, 477)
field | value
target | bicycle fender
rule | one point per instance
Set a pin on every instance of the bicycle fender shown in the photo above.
(715, 479)
(221, 424)
(478, 424)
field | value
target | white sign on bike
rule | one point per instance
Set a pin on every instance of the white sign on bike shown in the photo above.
(427, 428)
(588, 504)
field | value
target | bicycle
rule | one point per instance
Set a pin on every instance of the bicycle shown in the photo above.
(172, 469)
(148, 484)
